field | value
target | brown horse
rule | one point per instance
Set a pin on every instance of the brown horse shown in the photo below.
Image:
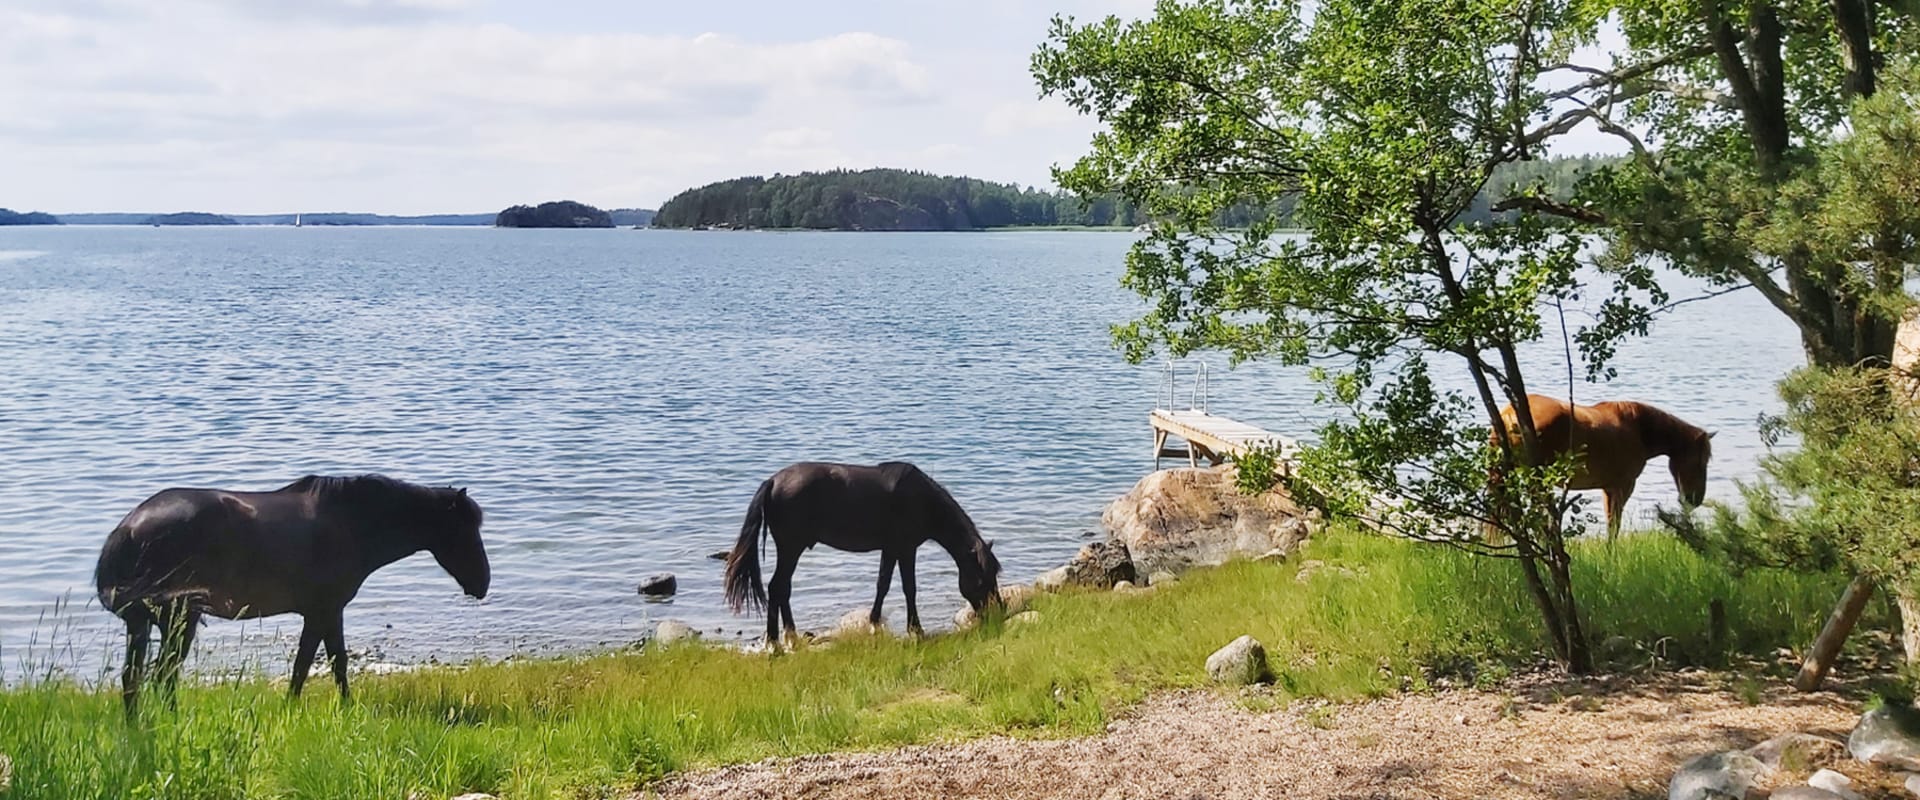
(1612, 443)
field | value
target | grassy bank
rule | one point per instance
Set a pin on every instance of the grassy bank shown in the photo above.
(1378, 616)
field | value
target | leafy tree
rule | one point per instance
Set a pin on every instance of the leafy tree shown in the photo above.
(556, 214)
(1774, 144)
(1377, 125)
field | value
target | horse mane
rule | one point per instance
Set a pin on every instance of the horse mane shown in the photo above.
(1663, 432)
(365, 486)
(983, 554)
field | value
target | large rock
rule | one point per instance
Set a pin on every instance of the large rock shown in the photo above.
(1177, 519)
(1798, 752)
(1243, 661)
(1804, 793)
(673, 630)
(1101, 565)
(1834, 783)
(1888, 735)
(1718, 776)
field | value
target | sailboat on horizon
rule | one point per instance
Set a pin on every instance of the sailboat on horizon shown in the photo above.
(296, 219)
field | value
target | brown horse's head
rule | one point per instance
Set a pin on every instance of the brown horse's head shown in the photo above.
(1688, 463)
(455, 543)
(980, 579)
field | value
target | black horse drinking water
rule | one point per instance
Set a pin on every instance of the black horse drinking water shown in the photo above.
(304, 549)
(892, 508)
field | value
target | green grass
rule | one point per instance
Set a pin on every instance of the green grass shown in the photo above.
(1396, 617)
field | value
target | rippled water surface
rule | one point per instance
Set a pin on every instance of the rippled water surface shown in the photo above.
(612, 398)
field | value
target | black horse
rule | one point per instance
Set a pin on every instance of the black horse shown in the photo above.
(305, 549)
(892, 507)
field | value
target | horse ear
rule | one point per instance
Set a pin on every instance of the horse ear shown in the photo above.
(1711, 434)
(463, 489)
(989, 545)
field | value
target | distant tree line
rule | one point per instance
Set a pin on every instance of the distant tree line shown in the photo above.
(557, 214)
(907, 200)
(190, 218)
(10, 217)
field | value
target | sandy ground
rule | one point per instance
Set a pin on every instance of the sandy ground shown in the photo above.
(1544, 739)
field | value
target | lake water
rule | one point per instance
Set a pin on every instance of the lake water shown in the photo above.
(612, 398)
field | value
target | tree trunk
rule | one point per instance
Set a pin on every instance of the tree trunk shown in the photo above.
(1907, 597)
(1826, 646)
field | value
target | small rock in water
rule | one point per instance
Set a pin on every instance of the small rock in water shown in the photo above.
(721, 555)
(1888, 735)
(858, 623)
(661, 585)
(1716, 776)
(1835, 783)
(673, 630)
(1243, 661)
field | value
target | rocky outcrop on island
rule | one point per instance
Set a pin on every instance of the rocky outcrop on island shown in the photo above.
(556, 214)
(10, 217)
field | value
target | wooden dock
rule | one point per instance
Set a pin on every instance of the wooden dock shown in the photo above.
(1211, 437)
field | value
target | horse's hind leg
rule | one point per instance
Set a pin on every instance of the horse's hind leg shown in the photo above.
(880, 592)
(139, 629)
(780, 593)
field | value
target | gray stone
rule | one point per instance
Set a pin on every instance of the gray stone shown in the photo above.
(1243, 661)
(1797, 752)
(1161, 577)
(1177, 519)
(661, 585)
(1887, 735)
(1053, 580)
(1803, 793)
(858, 622)
(1023, 618)
(1717, 776)
(476, 796)
(1101, 565)
(1913, 784)
(1013, 597)
(1124, 586)
(1834, 783)
(673, 630)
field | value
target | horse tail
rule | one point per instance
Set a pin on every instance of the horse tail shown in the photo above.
(744, 589)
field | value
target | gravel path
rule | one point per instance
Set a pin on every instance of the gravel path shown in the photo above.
(1567, 740)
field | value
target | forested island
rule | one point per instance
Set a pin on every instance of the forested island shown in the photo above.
(189, 218)
(906, 200)
(556, 214)
(9, 216)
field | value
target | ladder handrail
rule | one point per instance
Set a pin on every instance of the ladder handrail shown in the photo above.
(1196, 400)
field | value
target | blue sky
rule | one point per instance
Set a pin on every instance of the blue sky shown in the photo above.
(415, 106)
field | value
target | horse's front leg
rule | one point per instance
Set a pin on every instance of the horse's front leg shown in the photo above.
(1617, 508)
(906, 587)
(880, 592)
(139, 629)
(336, 641)
(310, 634)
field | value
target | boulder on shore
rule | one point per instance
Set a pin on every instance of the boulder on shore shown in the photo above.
(1797, 752)
(1177, 519)
(1888, 735)
(1101, 565)
(1717, 776)
(673, 630)
(1243, 661)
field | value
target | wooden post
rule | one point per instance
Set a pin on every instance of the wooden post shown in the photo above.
(1826, 646)
(1159, 444)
